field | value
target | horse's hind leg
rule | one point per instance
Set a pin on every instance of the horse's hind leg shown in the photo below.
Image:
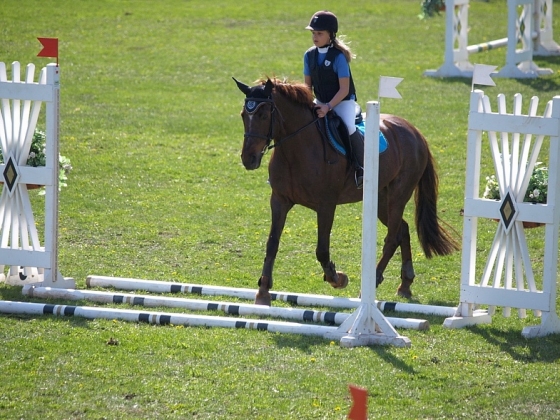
(407, 269)
(325, 218)
(280, 210)
(398, 235)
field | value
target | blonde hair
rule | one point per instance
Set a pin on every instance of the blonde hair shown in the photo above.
(339, 43)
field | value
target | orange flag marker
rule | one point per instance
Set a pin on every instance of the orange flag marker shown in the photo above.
(50, 48)
(359, 408)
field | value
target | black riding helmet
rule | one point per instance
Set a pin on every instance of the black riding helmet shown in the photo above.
(323, 21)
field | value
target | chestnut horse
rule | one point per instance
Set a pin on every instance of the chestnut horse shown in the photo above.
(305, 170)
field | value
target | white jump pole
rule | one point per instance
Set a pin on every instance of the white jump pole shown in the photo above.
(300, 299)
(163, 318)
(243, 309)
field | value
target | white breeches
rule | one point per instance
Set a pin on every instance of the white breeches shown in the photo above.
(346, 110)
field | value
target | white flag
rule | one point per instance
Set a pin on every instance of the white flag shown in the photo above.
(481, 75)
(388, 87)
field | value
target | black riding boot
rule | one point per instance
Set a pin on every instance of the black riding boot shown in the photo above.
(357, 143)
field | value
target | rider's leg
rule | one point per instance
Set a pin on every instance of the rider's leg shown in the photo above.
(346, 110)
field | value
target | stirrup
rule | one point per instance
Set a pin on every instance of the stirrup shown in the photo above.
(359, 178)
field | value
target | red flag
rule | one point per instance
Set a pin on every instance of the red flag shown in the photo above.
(359, 409)
(50, 48)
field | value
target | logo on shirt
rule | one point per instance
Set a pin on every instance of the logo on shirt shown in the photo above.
(327, 63)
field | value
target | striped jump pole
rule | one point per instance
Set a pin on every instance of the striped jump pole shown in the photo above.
(493, 45)
(300, 299)
(162, 318)
(487, 46)
(306, 315)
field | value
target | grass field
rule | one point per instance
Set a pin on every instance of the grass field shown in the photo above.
(150, 120)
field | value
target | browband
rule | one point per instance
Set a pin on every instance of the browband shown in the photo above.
(252, 104)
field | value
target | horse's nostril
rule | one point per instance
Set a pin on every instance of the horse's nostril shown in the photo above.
(251, 161)
(254, 162)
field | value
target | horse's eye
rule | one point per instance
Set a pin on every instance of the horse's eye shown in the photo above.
(263, 115)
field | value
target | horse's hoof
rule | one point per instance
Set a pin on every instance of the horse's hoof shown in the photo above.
(404, 291)
(262, 299)
(341, 283)
(343, 280)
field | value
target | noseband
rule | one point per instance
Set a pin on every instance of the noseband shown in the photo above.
(252, 105)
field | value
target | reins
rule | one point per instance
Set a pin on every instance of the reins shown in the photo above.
(279, 142)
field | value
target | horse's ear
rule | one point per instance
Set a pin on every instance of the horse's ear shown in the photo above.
(242, 87)
(268, 87)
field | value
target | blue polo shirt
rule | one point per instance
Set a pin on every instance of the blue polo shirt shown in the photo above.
(340, 66)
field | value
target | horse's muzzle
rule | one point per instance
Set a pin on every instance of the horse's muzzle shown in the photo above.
(251, 161)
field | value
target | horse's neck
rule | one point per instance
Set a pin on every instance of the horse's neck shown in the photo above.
(298, 134)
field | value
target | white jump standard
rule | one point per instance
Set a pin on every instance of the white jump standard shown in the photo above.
(532, 29)
(508, 277)
(20, 247)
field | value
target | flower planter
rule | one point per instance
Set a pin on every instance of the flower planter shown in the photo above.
(537, 190)
(429, 8)
(527, 225)
(29, 186)
(530, 225)
(37, 159)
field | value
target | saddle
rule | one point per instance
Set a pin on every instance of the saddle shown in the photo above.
(337, 133)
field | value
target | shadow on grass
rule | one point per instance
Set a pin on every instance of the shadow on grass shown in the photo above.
(542, 84)
(541, 349)
(385, 354)
(443, 303)
(466, 81)
(306, 343)
(74, 321)
(12, 293)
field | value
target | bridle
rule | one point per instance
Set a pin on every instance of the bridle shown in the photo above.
(252, 105)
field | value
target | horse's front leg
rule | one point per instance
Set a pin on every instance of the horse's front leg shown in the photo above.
(325, 218)
(280, 210)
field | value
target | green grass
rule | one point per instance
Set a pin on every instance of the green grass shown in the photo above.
(150, 120)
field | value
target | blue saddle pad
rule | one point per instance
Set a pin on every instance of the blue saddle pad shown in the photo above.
(382, 140)
(362, 128)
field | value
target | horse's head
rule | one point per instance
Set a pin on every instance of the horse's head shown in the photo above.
(258, 120)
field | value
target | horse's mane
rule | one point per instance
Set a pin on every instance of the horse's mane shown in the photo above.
(296, 92)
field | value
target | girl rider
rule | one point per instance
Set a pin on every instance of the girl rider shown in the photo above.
(327, 71)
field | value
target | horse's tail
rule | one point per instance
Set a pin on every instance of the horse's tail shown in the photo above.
(435, 240)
